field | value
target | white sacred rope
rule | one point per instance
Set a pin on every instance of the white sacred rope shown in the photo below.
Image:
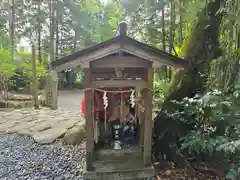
(105, 102)
(132, 99)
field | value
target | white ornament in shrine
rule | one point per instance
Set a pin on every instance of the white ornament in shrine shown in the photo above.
(132, 99)
(105, 100)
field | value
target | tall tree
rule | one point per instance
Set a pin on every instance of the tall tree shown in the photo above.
(52, 13)
(163, 26)
(39, 31)
(34, 79)
(180, 28)
(172, 28)
(202, 46)
(12, 26)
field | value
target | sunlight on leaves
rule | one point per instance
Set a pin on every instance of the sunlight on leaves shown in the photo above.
(92, 6)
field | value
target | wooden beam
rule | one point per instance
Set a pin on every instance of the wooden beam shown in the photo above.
(121, 62)
(140, 84)
(89, 95)
(148, 121)
(128, 73)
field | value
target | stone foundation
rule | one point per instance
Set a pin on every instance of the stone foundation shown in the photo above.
(122, 164)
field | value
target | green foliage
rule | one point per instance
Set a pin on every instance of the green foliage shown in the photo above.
(115, 13)
(190, 14)
(161, 88)
(26, 65)
(92, 6)
(7, 67)
(223, 72)
(22, 62)
(214, 119)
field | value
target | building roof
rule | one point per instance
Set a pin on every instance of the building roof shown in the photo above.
(120, 43)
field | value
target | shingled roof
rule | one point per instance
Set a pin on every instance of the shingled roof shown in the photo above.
(121, 43)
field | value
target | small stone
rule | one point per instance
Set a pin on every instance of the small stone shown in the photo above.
(49, 136)
(75, 135)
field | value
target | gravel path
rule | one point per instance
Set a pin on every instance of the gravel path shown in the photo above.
(22, 158)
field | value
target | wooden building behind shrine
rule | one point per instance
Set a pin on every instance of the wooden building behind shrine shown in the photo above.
(120, 62)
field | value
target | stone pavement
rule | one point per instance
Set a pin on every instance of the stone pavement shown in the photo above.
(44, 125)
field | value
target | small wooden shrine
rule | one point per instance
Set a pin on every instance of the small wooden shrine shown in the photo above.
(118, 71)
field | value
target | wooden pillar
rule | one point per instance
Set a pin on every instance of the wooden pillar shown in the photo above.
(89, 95)
(137, 111)
(142, 120)
(148, 120)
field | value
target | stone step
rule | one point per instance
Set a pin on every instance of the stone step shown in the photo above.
(112, 154)
(119, 170)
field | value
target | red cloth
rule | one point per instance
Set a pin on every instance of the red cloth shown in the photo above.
(83, 107)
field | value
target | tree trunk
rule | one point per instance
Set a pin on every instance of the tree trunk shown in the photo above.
(12, 27)
(52, 30)
(61, 41)
(238, 39)
(34, 79)
(172, 22)
(74, 41)
(163, 28)
(163, 70)
(237, 5)
(180, 39)
(172, 33)
(71, 75)
(39, 32)
(74, 50)
(202, 47)
(57, 49)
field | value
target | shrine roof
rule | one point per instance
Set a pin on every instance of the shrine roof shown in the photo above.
(120, 43)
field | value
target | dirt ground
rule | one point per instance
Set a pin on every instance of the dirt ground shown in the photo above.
(70, 99)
